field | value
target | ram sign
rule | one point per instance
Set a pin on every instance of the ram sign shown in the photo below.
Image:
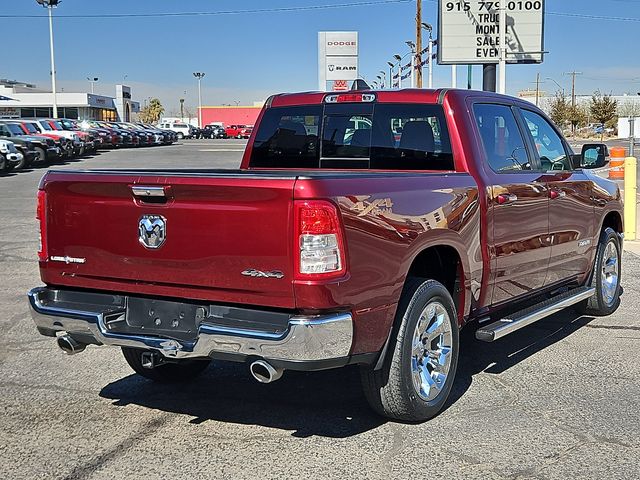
(469, 31)
(337, 57)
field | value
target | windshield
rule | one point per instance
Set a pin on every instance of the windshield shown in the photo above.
(57, 125)
(31, 128)
(68, 124)
(45, 125)
(354, 135)
(15, 129)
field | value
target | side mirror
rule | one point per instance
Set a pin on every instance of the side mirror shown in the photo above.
(593, 155)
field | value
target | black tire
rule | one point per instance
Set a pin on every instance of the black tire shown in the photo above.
(40, 158)
(3, 164)
(174, 372)
(598, 305)
(390, 391)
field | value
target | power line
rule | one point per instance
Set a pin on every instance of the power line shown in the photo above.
(594, 17)
(297, 9)
(222, 12)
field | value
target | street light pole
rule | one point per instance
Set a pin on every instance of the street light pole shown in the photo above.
(398, 59)
(49, 5)
(429, 29)
(412, 46)
(502, 27)
(559, 86)
(92, 81)
(199, 76)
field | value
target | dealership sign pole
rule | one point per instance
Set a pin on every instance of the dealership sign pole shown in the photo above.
(337, 57)
(469, 32)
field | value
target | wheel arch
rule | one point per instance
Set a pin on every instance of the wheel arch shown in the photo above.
(612, 219)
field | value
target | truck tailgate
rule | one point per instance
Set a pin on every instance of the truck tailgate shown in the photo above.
(216, 226)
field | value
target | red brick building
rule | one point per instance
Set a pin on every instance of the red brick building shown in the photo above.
(243, 115)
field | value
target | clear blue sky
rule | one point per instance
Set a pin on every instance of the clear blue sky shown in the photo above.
(249, 56)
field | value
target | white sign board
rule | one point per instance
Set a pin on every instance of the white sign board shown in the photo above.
(342, 68)
(337, 57)
(468, 31)
(341, 43)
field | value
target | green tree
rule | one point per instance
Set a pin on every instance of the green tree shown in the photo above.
(558, 109)
(604, 109)
(151, 113)
(575, 116)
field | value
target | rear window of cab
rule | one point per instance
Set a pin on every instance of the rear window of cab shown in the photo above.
(385, 136)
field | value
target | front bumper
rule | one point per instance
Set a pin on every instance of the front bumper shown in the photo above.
(307, 342)
(14, 158)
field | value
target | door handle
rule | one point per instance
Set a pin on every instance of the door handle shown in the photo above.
(505, 198)
(557, 194)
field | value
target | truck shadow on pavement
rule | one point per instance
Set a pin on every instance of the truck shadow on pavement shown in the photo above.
(327, 403)
(495, 358)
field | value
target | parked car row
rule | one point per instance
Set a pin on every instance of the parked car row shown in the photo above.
(214, 130)
(27, 142)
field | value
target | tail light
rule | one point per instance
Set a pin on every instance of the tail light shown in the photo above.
(41, 216)
(319, 249)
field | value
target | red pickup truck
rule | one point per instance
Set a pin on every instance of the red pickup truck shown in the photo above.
(361, 228)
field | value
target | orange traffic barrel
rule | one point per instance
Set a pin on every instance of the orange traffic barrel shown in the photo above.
(616, 163)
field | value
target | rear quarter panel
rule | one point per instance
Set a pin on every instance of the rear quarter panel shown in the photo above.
(389, 219)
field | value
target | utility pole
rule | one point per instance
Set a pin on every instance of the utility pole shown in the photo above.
(573, 86)
(537, 87)
(418, 61)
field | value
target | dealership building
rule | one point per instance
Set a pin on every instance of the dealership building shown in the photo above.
(25, 100)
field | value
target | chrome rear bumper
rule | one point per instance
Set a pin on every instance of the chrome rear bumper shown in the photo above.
(306, 339)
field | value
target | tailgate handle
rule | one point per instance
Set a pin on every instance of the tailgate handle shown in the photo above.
(143, 192)
(151, 194)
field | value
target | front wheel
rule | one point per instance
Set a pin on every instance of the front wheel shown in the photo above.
(421, 363)
(41, 156)
(605, 277)
(173, 372)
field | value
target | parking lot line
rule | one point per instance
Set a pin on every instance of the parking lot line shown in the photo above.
(221, 150)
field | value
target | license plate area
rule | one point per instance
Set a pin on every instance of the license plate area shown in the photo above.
(162, 318)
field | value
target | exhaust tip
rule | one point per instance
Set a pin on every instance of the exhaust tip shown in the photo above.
(264, 372)
(69, 345)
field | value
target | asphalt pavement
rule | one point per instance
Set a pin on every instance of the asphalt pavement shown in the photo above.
(557, 400)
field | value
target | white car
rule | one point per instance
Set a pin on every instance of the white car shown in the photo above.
(9, 155)
(182, 129)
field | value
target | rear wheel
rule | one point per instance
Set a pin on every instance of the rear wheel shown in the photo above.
(173, 372)
(420, 367)
(605, 277)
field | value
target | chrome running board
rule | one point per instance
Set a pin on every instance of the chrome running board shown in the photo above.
(517, 320)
